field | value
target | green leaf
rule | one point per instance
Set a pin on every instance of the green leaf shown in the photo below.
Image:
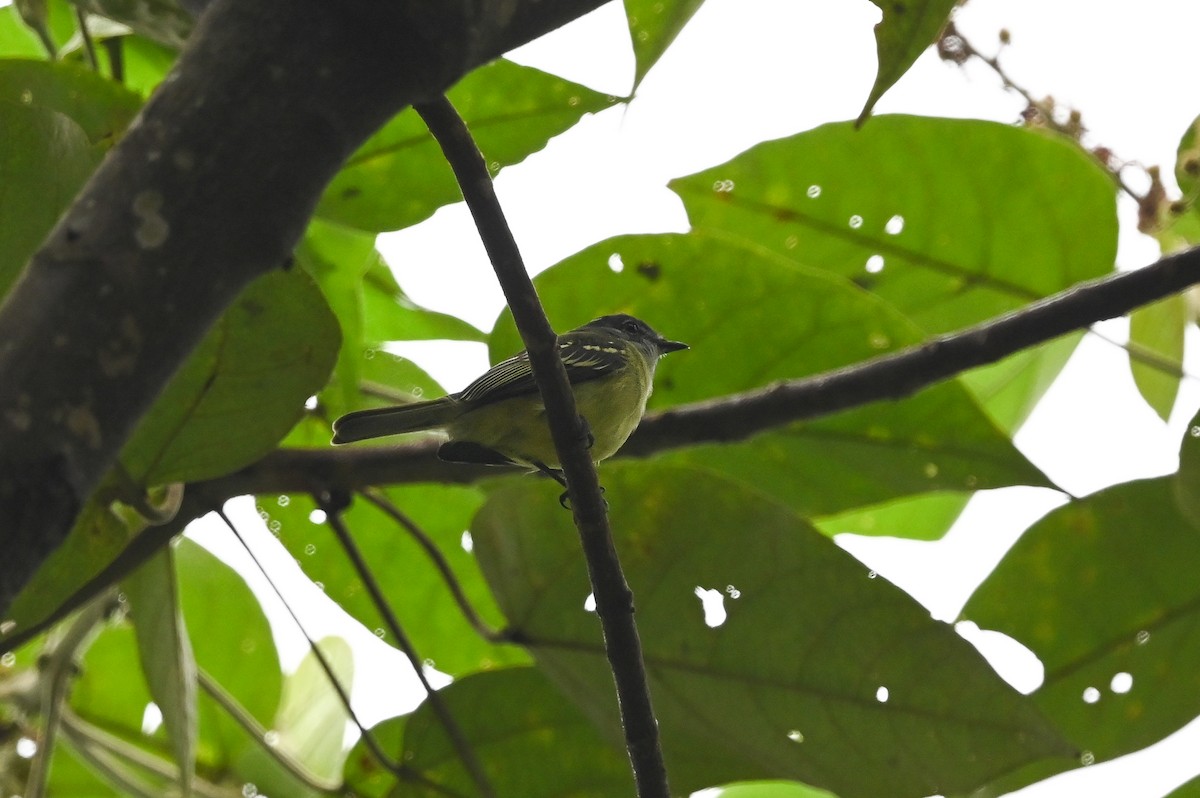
(111, 689)
(399, 176)
(753, 318)
(69, 776)
(1187, 160)
(389, 315)
(1010, 389)
(1187, 479)
(103, 109)
(166, 655)
(1156, 351)
(772, 789)
(1099, 588)
(927, 516)
(45, 157)
(371, 309)
(951, 221)
(243, 388)
(95, 540)
(906, 29)
(968, 216)
(233, 644)
(337, 257)
(751, 697)
(18, 41)
(530, 741)
(365, 775)
(311, 722)
(145, 63)
(416, 591)
(1189, 790)
(653, 25)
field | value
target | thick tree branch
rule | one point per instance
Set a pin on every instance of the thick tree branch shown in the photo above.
(614, 599)
(210, 187)
(729, 418)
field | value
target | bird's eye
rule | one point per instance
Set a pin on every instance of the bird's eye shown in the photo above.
(631, 326)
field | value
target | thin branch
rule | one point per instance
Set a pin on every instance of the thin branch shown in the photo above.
(111, 754)
(728, 418)
(333, 507)
(953, 46)
(89, 46)
(614, 599)
(482, 627)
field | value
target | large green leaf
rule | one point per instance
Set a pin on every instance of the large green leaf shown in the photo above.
(965, 214)
(653, 25)
(400, 177)
(1102, 591)
(416, 591)
(818, 673)
(752, 318)
(530, 741)
(45, 157)
(233, 644)
(243, 388)
(371, 309)
(337, 257)
(906, 29)
(389, 314)
(952, 221)
(103, 109)
(967, 217)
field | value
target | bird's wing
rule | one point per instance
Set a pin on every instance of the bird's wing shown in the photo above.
(585, 357)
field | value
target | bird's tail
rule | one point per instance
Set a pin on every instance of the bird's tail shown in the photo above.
(382, 421)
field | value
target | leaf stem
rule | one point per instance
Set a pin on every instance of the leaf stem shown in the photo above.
(482, 627)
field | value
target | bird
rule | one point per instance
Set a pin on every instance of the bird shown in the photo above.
(499, 419)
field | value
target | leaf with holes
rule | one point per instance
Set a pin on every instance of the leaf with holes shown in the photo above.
(1102, 590)
(815, 672)
(951, 221)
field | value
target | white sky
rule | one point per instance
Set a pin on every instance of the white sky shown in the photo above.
(748, 70)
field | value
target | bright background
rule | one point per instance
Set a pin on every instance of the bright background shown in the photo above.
(748, 70)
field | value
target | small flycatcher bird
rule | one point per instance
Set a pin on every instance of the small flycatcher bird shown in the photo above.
(499, 418)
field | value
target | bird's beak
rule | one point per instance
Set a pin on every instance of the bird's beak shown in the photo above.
(665, 346)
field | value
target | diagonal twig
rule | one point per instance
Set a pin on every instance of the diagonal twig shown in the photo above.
(481, 627)
(614, 599)
(333, 506)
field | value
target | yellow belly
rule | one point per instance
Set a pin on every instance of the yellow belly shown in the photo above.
(516, 428)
